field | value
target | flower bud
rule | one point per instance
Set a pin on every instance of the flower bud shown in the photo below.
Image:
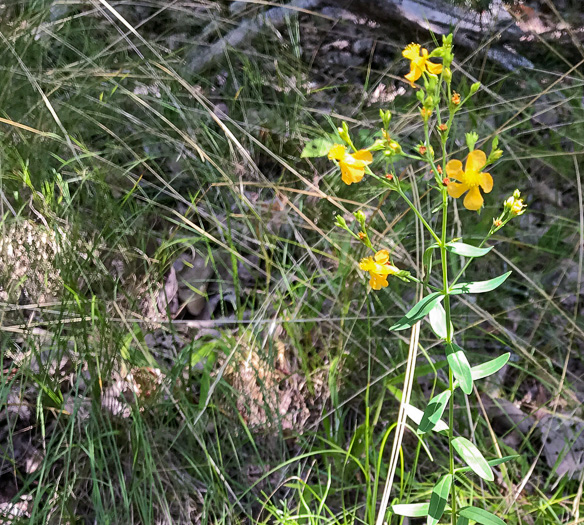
(495, 155)
(378, 145)
(385, 117)
(395, 147)
(420, 95)
(341, 223)
(429, 103)
(455, 99)
(344, 132)
(360, 216)
(475, 87)
(471, 140)
(447, 74)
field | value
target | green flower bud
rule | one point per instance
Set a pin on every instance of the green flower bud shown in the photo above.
(420, 95)
(429, 103)
(475, 87)
(495, 155)
(344, 132)
(378, 145)
(471, 140)
(385, 117)
(341, 223)
(395, 147)
(447, 74)
(360, 216)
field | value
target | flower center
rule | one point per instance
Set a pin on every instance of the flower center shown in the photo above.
(471, 178)
(420, 62)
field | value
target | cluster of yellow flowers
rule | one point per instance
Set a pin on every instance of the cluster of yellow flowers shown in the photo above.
(468, 180)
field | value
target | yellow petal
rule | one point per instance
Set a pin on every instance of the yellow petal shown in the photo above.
(435, 69)
(475, 161)
(455, 190)
(367, 264)
(454, 169)
(486, 182)
(414, 74)
(473, 200)
(377, 281)
(382, 257)
(364, 156)
(337, 152)
(412, 51)
(350, 173)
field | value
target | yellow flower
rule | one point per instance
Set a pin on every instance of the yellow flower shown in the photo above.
(515, 204)
(470, 179)
(352, 164)
(379, 268)
(419, 62)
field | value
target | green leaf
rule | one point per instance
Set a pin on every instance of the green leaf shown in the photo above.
(460, 367)
(481, 516)
(462, 520)
(411, 510)
(439, 499)
(317, 148)
(434, 412)
(479, 286)
(492, 462)
(467, 250)
(437, 318)
(490, 367)
(416, 415)
(419, 311)
(473, 458)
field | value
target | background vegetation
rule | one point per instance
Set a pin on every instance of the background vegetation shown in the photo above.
(186, 337)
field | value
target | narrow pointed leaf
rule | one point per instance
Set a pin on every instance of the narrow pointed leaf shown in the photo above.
(490, 367)
(317, 148)
(411, 510)
(460, 367)
(433, 412)
(416, 415)
(479, 286)
(462, 520)
(437, 318)
(419, 311)
(473, 458)
(439, 499)
(467, 250)
(492, 462)
(481, 516)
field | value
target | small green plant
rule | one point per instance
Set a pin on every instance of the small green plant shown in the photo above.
(439, 105)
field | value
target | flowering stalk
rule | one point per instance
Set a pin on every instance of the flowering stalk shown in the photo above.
(453, 180)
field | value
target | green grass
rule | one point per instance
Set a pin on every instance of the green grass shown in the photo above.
(130, 180)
